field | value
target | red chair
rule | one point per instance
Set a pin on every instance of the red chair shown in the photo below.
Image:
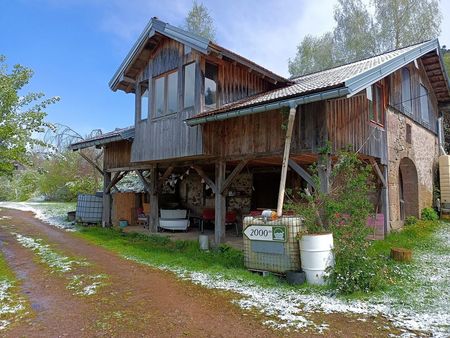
(208, 215)
(231, 218)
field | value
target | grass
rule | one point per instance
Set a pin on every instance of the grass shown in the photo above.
(160, 251)
(13, 307)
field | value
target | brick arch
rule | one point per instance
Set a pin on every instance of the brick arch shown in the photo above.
(408, 188)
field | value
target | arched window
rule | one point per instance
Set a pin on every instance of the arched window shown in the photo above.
(406, 91)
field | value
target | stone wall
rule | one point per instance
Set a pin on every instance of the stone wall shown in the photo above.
(407, 139)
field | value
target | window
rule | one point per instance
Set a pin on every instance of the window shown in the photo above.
(376, 107)
(189, 85)
(144, 100)
(210, 86)
(172, 91)
(424, 111)
(406, 105)
(166, 94)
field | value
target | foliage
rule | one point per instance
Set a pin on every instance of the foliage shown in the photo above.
(200, 22)
(21, 116)
(344, 212)
(429, 214)
(410, 220)
(313, 54)
(359, 33)
(20, 186)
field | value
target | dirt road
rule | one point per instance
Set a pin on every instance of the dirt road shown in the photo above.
(131, 300)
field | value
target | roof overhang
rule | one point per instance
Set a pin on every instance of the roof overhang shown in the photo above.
(375, 74)
(290, 102)
(122, 80)
(124, 134)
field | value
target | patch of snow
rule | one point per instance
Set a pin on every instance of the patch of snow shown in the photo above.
(4, 217)
(85, 285)
(54, 260)
(10, 304)
(52, 213)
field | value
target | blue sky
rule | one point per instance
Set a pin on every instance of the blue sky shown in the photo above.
(75, 46)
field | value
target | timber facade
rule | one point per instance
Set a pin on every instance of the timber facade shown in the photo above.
(216, 124)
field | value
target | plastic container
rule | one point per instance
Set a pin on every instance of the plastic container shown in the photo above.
(123, 223)
(89, 208)
(203, 241)
(316, 256)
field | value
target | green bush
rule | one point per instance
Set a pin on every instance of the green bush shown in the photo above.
(429, 214)
(411, 220)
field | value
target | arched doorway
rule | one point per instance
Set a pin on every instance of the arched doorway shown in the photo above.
(408, 189)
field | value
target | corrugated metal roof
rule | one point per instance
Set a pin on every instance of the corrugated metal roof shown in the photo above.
(118, 134)
(354, 76)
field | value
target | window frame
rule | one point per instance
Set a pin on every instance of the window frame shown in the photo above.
(427, 98)
(378, 120)
(406, 107)
(165, 76)
(205, 106)
(193, 63)
(143, 86)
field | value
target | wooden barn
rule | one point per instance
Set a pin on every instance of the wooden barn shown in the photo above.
(216, 131)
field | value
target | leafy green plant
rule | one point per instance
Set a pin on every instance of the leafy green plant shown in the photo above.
(429, 214)
(344, 210)
(411, 220)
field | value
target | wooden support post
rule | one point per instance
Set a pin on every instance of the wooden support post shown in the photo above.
(287, 148)
(324, 171)
(385, 200)
(302, 172)
(220, 205)
(165, 176)
(154, 206)
(106, 218)
(378, 171)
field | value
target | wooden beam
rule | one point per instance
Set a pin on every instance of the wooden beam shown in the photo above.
(302, 172)
(205, 177)
(117, 177)
(378, 171)
(165, 176)
(106, 217)
(91, 162)
(284, 167)
(146, 184)
(324, 171)
(237, 170)
(220, 203)
(154, 200)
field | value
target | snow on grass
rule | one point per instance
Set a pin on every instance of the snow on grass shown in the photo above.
(54, 260)
(421, 303)
(12, 306)
(52, 213)
(86, 285)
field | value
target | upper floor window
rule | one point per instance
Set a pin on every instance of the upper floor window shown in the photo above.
(424, 109)
(406, 91)
(211, 72)
(144, 105)
(166, 94)
(376, 107)
(189, 85)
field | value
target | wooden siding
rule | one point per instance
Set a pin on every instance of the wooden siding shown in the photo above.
(166, 137)
(310, 131)
(117, 155)
(349, 127)
(418, 77)
(247, 135)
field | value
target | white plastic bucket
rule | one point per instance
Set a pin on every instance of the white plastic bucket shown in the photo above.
(203, 240)
(316, 256)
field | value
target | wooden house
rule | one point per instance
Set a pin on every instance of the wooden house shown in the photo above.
(214, 122)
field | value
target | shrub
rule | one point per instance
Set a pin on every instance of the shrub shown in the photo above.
(429, 214)
(411, 220)
(344, 212)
